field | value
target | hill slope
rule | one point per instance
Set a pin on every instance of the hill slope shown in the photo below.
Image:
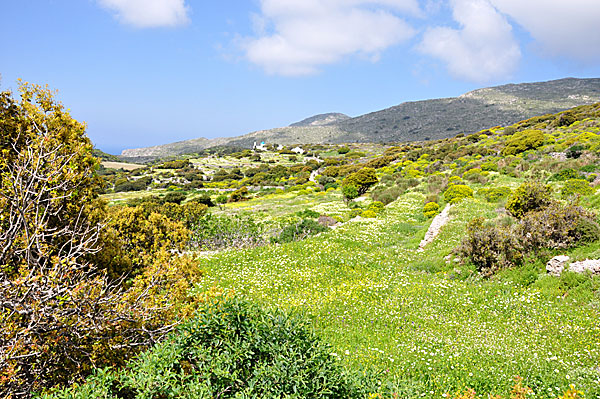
(413, 121)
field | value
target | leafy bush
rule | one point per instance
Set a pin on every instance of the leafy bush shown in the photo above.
(490, 248)
(176, 197)
(205, 200)
(431, 209)
(565, 174)
(231, 350)
(575, 151)
(522, 141)
(457, 192)
(558, 227)
(298, 231)
(239, 194)
(216, 232)
(369, 213)
(489, 166)
(376, 206)
(177, 164)
(529, 196)
(495, 194)
(221, 199)
(386, 195)
(308, 213)
(576, 187)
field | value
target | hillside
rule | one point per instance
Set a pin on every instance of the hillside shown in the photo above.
(475, 308)
(412, 121)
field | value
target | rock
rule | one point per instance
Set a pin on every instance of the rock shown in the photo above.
(556, 265)
(434, 229)
(591, 265)
(327, 221)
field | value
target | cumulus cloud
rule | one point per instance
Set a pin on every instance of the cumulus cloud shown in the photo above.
(296, 37)
(148, 13)
(563, 28)
(483, 49)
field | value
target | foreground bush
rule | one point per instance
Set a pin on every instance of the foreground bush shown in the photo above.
(231, 350)
(62, 310)
(490, 248)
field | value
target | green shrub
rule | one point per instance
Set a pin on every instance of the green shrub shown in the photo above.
(369, 213)
(217, 232)
(529, 196)
(239, 194)
(575, 151)
(522, 141)
(576, 187)
(376, 206)
(457, 192)
(355, 212)
(489, 166)
(386, 195)
(176, 197)
(565, 174)
(431, 209)
(495, 194)
(343, 150)
(205, 199)
(231, 350)
(308, 213)
(298, 231)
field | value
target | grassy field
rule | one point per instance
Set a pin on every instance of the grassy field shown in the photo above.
(431, 326)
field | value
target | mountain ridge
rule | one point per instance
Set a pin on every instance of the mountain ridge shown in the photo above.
(411, 121)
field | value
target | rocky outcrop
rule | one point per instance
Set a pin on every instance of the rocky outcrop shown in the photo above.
(584, 266)
(556, 265)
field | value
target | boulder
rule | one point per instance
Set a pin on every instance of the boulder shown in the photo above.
(556, 265)
(591, 265)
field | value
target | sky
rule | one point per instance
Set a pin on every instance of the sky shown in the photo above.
(149, 72)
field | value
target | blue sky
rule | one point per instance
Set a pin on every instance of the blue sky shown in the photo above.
(147, 72)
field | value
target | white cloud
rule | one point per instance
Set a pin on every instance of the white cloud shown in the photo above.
(484, 47)
(296, 37)
(563, 28)
(149, 13)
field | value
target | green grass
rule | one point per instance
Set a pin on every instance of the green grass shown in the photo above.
(430, 326)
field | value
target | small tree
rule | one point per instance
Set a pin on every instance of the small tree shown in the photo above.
(362, 180)
(349, 192)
